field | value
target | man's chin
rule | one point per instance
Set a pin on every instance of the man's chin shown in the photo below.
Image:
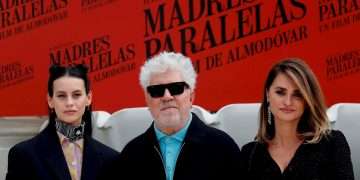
(170, 113)
(170, 119)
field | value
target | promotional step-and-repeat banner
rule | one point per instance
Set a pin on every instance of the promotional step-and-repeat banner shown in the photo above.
(232, 43)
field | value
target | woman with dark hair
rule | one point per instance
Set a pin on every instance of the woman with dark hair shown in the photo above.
(64, 150)
(294, 140)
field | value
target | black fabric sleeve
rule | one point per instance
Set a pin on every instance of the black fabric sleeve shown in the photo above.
(18, 165)
(342, 166)
(246, 157)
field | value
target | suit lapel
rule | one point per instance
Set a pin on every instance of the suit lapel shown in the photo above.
(195, 132)
(91, 161)
(51, 152)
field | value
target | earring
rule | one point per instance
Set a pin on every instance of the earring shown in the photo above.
(269, 115)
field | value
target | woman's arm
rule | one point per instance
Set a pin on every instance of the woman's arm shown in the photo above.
(343, 169)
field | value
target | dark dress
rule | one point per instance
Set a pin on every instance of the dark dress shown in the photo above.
(327, 160)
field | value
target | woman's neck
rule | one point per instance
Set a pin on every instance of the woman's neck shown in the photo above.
(286, 134)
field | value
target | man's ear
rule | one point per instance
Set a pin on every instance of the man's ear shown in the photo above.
(192, 96)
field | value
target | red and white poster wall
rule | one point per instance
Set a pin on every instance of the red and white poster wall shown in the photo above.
(232, 44)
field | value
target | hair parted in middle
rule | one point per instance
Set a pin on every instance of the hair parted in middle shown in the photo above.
(314, 123)
(78, 71)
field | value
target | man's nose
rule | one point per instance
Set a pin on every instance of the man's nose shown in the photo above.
(167, 95)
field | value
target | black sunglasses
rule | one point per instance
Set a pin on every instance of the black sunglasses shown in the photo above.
(174, 88)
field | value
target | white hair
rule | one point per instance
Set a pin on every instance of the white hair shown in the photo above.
(168, 61)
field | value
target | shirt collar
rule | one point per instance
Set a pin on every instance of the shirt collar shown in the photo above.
(180, 135)
(79, 142)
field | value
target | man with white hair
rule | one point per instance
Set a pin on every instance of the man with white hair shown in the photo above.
(178, 145)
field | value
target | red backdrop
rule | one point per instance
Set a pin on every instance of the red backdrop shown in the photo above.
(232, 43)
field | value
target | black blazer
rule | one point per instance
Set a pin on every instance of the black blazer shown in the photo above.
(42, 158)
(206, 154)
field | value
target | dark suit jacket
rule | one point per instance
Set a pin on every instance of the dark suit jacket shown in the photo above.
(207, 154)
(42, 158)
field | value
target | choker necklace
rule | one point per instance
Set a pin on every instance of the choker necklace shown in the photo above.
(73, 133)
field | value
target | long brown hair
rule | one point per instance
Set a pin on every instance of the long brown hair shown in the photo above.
(313, 124)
